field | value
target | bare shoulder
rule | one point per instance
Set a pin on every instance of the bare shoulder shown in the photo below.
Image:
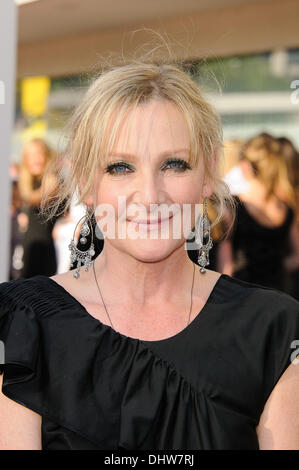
(61, 278)
(20, 427)
(66, 280)
(76, 287)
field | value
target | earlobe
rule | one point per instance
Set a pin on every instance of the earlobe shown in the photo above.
(207, 190)
(209, 186)
(88, 200)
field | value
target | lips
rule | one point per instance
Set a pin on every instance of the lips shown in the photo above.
(150, 221)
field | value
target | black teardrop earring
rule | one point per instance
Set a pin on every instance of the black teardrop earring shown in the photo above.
(202, 233)
(82, 257)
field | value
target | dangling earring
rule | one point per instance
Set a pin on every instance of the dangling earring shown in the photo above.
(203, 230)
(82, 257)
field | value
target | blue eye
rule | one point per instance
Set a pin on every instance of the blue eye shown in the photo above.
(123, 168)
(177, 164)
(174, 164)
(119, 168)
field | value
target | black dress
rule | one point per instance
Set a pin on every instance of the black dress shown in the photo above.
(39, 250)
(259, 250)
(203, 388)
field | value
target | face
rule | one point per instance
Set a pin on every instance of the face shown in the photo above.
(149, 168)
(35, 158)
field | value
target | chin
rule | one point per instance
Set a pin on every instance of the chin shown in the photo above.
(151, 251)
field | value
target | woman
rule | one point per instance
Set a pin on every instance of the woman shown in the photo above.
(15, 232)
(257, 246)
(39, 252)
(144, 350)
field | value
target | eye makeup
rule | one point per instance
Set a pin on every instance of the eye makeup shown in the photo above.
(112, 167)
(176, 164)
(184, 165)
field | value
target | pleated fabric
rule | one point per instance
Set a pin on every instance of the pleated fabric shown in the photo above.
(203, 388)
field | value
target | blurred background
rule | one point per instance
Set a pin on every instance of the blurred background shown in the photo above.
(244, 54)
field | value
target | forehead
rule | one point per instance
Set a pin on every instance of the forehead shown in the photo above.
(152, 128)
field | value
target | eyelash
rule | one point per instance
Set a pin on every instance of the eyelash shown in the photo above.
(185, 166)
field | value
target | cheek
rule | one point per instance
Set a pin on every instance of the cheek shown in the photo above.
(107, 197)
(187, 194)
(184, 190)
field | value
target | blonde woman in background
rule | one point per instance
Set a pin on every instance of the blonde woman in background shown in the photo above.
(232, 175)
(255, 249)
(16, 251)
(39, 252)
(231, 168)
(145, 350)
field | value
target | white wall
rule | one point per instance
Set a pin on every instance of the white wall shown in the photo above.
(8, 44)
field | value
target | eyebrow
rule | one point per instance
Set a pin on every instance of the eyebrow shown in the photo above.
(166, 153)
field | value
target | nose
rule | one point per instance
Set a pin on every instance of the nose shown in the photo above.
(149, 189)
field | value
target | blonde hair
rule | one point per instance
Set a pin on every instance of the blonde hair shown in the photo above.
(269, 166)
(291, 157)
(113, 93)
(25, 179)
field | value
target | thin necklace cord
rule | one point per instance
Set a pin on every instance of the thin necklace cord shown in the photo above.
(106, 307)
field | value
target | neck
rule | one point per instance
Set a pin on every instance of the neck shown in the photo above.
(143, 283)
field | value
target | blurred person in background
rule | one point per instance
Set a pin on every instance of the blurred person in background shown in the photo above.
(291, 262)
(62, 233)
(256, 247)
(39, 251)
(17, 222)
(231, 168)
(14, 172)
(232, 175)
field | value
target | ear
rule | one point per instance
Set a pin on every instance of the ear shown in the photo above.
(88, 200)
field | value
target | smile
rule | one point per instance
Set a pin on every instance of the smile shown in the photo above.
(149, 224)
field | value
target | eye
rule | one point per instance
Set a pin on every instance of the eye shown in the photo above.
(176, 164)
(118, 168)
(123, 168)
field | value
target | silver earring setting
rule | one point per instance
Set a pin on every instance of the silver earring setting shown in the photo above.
(82, 257)
(202, 233)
